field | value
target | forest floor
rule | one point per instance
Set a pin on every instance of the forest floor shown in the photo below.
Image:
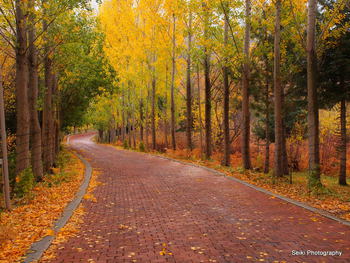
(33, 216)
(150, 209)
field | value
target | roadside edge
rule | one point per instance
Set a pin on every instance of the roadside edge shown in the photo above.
(38, 248)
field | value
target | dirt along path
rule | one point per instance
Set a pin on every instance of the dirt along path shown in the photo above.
(150, 209)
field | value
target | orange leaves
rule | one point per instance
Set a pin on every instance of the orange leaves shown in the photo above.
(164, 251)
(69, 230)
(90, 197)
(48, 232)
(34, 220)
(93, 184)
(124, 227)
(74, 223)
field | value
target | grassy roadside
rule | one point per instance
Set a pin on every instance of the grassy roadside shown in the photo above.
(332, 198)
(33, 216)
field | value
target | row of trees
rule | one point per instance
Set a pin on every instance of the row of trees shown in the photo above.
(243, 55)
(52, 65)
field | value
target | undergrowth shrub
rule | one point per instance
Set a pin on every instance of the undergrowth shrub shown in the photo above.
(57, 178)
(12, 168)
(59, 175)
(24, 182)
(125, 144)
(142, 147)
(62, 158)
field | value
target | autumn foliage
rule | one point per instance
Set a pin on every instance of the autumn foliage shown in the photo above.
(34, 216)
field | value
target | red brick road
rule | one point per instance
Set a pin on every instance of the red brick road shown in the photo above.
(149, 205)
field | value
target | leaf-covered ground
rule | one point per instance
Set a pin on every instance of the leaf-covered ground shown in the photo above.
(33, 218)
(72, 227)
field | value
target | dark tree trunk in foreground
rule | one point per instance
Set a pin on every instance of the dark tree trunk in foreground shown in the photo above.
(343, 147)
(47, 108)
(23, 118)
(208, 149)
(172, 95)
(313, 118)
(226, 160)
(189, 88)
(208, 146)
(33, 87)
(245, 91)
(47, 114)
(278, 166)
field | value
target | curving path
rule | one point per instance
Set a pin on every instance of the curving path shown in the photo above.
(154, 210)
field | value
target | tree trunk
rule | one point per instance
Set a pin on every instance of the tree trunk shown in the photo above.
(133, 126)
(199, 112)
(112, 131)
(207, 108)
(343, 141)
(53, 119)
(33, 87)
(245, 91)
(284, 140)
(313, 118)
(58, 135)
(23, 118)
(5, 168)
(153, 117)
(208, 145)
(123, 120)
(129, 131)
(147, 119)
(189, 88)
(226, 109)
(267, 127)
(141, 120)
(165, 113)
(47, 108)
(278, 167)
(100, 135)
(172, 107)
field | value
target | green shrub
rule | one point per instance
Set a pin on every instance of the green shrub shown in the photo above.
(12, 169)
(125, 144)
(62, 158)
(240, 170)
(24, 182)
(57, 179)
(142, 147)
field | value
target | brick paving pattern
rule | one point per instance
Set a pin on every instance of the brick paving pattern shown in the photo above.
(155, 210)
